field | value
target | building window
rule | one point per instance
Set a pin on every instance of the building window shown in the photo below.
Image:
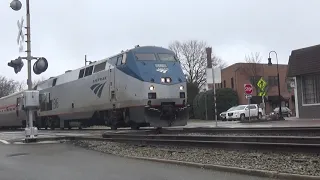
(273, 81)
(224, 84)
(311, 89)
(255, 79)
(232, 84)
(216, 86)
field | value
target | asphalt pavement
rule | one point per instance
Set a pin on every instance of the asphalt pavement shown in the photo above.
(63, 161)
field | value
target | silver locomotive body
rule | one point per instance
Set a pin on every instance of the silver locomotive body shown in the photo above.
(144, 86)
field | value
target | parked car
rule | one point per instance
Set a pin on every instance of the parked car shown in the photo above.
(241, 112)
(286, 112)
(223, 114)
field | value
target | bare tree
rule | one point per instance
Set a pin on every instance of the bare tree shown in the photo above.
(252, 69)
(7, 86)
(23, 85)
(192, 55)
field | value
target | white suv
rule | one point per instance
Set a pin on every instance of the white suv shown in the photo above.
(241, 112)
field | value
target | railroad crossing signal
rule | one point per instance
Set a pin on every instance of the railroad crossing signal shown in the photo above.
(17, 64)
(40, 65)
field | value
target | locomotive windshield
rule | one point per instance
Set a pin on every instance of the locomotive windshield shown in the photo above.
(167, 57)
(152, 57)
(145, 57)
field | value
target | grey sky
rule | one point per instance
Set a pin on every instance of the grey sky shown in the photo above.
(64, 31)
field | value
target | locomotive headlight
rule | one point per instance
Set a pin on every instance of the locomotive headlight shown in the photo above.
(151, 88)
(163, 80)
(168, 80)
(181, 88)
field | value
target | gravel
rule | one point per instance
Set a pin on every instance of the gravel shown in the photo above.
(286, 162)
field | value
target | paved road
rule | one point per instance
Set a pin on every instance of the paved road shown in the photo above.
(62, 161)
(290, 122)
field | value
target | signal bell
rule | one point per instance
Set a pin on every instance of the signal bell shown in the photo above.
(40, 66)
(17, 64)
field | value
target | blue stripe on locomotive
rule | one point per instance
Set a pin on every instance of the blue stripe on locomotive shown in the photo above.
(146, 70)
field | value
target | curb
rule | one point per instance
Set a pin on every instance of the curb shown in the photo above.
(45, 139)
(260, 173)
(256, 121)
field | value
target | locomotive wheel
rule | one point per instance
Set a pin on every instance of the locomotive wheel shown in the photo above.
(52, 125)
(114, 127)
(134, 126)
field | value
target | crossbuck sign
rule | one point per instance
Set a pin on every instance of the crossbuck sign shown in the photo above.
(20, 38)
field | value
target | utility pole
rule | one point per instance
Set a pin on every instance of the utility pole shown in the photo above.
(209, 66)
(206, 103)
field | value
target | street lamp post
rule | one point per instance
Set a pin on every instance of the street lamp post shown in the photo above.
(40, 66)
(279, 95)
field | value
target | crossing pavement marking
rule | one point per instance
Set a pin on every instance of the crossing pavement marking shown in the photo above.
(4, 141)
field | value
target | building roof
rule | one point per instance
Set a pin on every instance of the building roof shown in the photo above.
(243, 64)
(304, 61)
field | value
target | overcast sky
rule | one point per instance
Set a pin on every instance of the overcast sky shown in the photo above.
(64, 31)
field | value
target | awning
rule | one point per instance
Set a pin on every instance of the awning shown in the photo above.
(257, 99)
(276, 98)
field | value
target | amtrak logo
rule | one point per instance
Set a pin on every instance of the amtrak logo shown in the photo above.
(162, 70)
(97, 88)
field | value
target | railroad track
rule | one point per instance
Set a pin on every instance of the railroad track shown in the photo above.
(204, 130)
(294, 143)
(288, 130)
(284, 131)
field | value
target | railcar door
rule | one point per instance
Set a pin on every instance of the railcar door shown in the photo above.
(18, 106)
(112, 84)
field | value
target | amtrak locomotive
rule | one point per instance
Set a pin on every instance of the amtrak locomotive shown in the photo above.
(143, 86)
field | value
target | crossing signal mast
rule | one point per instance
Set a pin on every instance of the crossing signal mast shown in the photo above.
(30, 97)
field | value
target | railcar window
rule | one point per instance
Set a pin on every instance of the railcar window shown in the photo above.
(113, 60)
(81, 73)
(99, 67)
(54, 82)
(167, 57)
(145, 57)
(88, 71)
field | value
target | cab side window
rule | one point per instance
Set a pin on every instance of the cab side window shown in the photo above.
(88, 71)
(81, 73)
(119, 60)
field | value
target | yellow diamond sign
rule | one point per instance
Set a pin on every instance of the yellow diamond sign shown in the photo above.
(262, 93)
(262, 84)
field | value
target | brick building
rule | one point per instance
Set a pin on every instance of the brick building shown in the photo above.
(236, 75)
